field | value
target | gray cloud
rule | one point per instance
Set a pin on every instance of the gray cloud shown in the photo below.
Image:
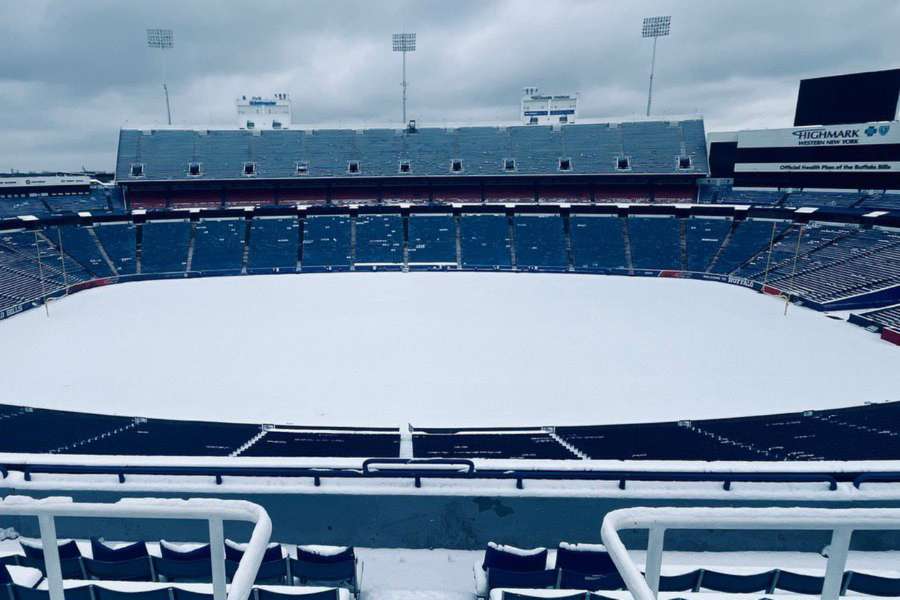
(73, 72)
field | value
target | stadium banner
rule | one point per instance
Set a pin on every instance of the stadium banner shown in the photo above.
(860, 134)
(39, 181)
(822, 167)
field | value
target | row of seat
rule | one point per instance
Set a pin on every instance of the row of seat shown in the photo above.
(589, 567)
(645, 147)
(854, 433)
(333, 566)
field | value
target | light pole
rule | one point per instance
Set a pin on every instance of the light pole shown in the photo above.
(404, 42)
(655, 27)
(163, 39)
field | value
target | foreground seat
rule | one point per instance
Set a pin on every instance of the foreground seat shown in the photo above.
(326, 565)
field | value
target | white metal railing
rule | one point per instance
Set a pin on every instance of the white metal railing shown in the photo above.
(841, 522)
(214, 511)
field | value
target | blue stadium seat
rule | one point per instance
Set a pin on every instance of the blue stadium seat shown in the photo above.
(655, 242)
(119, 242)
(598, 243)
(274, 245)
(218, 246)
(326, 243)
(485, 241)
(737, 584)
(165, 245)
(872, 585)
(501, 578)
(133, 569)
(540, 242)
(379, 241)
(703, 238)
(432, 240)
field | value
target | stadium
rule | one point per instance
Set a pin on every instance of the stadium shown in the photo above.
(417, 356)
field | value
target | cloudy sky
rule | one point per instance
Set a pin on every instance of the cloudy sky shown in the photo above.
(73, 71)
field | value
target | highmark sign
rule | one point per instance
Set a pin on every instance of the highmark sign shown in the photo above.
(838, 135)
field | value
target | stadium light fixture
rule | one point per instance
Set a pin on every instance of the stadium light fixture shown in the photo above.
(163, 39)
(655, 27)
(404, 42)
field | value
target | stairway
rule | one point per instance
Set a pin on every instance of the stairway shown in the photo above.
(552, 433)
(262, 433)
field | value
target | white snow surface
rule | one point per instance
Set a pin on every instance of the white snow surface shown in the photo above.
(437, 349)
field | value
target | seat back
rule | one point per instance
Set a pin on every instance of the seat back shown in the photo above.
(522, 595)
(71, 567)
(271, 572)
(686, 582)
(573, 580)
(101, 593)
(737, 584)
(135, 569)
(18, 592)
(308, 572)
(185, 571)
(584, 559)
(180, 594)
(67, 550)
(872, 585)
(106, 553)
(501, 578)
(799, 584)
(264, 594)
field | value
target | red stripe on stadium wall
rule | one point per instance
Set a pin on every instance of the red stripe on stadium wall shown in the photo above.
(889, 335)
(678, 274)
(772, 291)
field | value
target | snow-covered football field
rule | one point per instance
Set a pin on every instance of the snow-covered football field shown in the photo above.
(437, 349)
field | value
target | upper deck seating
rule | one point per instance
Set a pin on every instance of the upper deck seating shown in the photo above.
(14, 206)
(95, 201)
(823, 199)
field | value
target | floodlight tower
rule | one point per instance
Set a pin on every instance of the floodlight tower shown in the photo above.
(404, 42)
(163, 39)
(655, 27)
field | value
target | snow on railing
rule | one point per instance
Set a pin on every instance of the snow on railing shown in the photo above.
(841, 522)
(215, 512)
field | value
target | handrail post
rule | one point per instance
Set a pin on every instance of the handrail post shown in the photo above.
(51, 556)
(837, 561)
(653, 562)
(217, 555)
